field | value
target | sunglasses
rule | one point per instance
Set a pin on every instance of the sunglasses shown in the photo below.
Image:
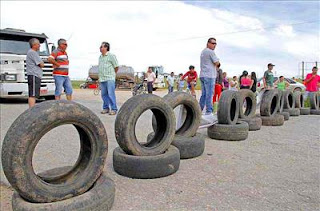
(64, 44)
(214, 43)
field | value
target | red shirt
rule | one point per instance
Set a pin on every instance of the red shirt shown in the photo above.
(61, 57)
(245, 81)
(192, 76)
(312, 86)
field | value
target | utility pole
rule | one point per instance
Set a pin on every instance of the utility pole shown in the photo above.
(302, 70)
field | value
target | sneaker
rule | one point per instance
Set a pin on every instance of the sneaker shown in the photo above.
(105, 111)
(112, 112)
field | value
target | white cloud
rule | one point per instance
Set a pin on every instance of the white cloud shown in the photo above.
(147, 33)
(285, 31)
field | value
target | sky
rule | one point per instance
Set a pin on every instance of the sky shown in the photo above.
(250, 34)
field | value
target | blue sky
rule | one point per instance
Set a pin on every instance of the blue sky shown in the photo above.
(173, 33)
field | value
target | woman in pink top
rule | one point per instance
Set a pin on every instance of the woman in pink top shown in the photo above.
(245, 82)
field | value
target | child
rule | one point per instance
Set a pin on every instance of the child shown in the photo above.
(233, 84)
(180, 83)
(192, 79)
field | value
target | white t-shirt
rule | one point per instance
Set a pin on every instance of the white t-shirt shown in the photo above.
(151, 76)
(170, 80)
(233, 83)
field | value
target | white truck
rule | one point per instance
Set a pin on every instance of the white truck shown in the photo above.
(14, 46)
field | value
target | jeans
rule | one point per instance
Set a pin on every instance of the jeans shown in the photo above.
(62, 81)
(170, 89)
(207, 85)
(150, 87)
(108, 95)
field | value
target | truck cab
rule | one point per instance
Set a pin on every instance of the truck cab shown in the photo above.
(14, 45)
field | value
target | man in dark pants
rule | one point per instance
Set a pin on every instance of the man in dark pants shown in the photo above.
(151, 77)
(33, 65)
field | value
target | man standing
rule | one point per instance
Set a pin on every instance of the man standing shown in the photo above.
(33, 65)
(312, 82)
(60, 61)
(170, 82)
(151, 77)
(108, 67)
(268, 77)
(208, 73)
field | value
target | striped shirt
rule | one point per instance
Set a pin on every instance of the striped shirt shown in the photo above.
(61, 57)
(107, 65)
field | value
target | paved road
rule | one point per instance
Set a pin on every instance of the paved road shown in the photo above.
(276, 168)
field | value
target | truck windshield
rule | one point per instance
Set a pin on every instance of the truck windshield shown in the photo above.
(21, 47)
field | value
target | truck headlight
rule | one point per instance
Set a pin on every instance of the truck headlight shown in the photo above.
(10, 77)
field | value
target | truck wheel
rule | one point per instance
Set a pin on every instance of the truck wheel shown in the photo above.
(254, 123)
(298, 99)
(249, 98)
(193, 113)
(24, 135)
(269, 103)
(189, 147)
(314, 100)
(285, 115)
(276, 120)
(293, 111)
(236, 132)
(228, 107)
(304, 111)
(289, 102)
(98, 198)
(146, 167)
(127, 118)
(314, 111)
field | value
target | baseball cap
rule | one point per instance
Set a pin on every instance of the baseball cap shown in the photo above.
(270, 64)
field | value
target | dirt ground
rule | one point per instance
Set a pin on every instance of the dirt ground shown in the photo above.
(276, 168)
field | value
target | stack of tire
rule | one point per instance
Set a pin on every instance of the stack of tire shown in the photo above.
(271, 104)
(290, 101)
(299, 103)
(247, 111)
(154, 158)
(228, 127)
(314, 103)
(83, 186)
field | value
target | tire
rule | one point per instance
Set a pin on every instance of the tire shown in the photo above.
(314, 111)
(269, 103)
(293, 111)
(288, 102)
(298, 99)
(228, 107)
(98, 198)
(127, 118)
(236, 132)
(281, 101)
(304, 111)
(193, 113)
(251, 102)
(146, 167)
(314, 100)
(189, 147)
(24, 135)
(276, 120)
(254, 123)
(285, 115)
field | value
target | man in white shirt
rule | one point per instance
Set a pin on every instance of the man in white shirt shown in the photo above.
(170, 82)
(151, 77)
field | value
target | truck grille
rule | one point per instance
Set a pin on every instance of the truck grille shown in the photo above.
(47, 73)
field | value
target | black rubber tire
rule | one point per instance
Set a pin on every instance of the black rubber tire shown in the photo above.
(228, 107)
(281, 101)
(193, 112)
(289, 101)
(276, 120)
(315, 111)
(314, 100)
(298, 99)
(24, 135)
(254, 123)
(293, 111)
(189, 147)
(127, 118)
(285, 115)
(304, 111)
(269, 103)
(251, 102)
(146, 167)
(99, 197)
(236, 132)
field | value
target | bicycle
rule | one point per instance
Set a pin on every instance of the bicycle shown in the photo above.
(96, 91)
(140, 88)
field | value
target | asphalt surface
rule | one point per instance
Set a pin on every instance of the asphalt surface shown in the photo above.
(276, 168)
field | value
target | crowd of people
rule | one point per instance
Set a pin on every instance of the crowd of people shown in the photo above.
(213, 80)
